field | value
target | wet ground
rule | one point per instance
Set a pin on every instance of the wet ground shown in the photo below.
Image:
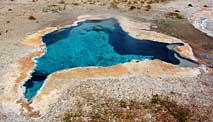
(201, 43)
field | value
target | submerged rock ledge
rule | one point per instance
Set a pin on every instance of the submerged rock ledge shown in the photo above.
(48, 94)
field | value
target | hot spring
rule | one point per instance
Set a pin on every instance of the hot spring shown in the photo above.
(92, 43)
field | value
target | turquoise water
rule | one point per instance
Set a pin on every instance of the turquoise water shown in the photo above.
(92, 43)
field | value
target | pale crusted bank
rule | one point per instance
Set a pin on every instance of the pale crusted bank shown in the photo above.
(49, 92)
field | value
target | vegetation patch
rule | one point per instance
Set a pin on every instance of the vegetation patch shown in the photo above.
(132, 7)
(158, 108)
(121, 4)
(114, 4)
(168, 110)
(174, 15)
(32, 18)
(55, 8)
(147, 7)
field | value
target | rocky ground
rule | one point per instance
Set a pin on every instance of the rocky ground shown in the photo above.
(132, 97)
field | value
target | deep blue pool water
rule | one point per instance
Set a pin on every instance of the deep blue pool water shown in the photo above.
(92, 43)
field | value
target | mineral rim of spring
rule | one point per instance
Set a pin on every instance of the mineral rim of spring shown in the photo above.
(92, 43)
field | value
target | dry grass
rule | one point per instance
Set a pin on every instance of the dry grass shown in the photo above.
(118, 4)
(55, 8)
(160, 109)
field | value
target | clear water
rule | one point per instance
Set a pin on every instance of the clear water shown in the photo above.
(92, 43)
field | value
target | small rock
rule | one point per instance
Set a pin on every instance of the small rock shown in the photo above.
(148, 117)
(154, 26)
(31, 18)
(190, 5)
(205, 6)
(177, 11)
(10, 9)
